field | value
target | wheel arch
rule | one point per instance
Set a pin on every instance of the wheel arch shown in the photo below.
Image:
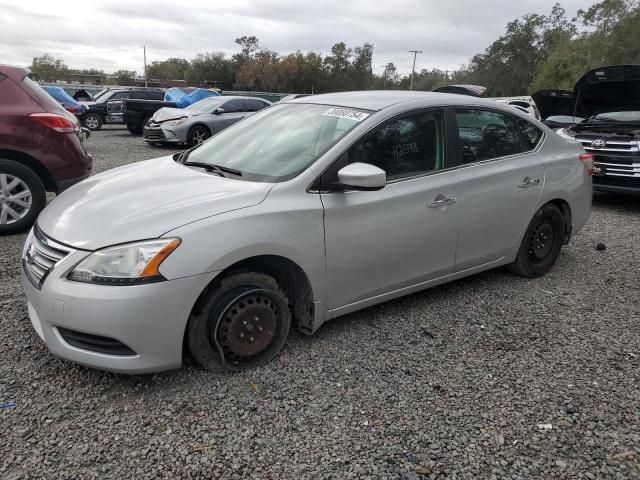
(565, 208)
(33, 164)
(289, 276)
(201, 124)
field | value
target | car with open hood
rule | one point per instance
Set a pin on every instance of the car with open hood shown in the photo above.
(556, 107)
(303, 212)
(197, 122)
(609, 100)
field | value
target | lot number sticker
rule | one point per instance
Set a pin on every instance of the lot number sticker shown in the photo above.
(346, 113)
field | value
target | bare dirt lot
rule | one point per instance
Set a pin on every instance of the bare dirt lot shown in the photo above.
(493, 376)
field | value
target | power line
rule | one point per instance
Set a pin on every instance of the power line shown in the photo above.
(31, 52)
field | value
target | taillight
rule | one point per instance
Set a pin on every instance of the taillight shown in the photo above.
(587, 159)
(57, 122)
(71, 109)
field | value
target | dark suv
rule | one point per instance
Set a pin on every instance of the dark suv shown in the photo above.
(97, 113)
(41, 149)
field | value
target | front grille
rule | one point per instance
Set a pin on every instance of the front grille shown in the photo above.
(95, 343)
(615, 181)
(40, 256)
(153, 134)
(619, 157)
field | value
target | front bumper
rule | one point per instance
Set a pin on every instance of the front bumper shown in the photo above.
(149, 319)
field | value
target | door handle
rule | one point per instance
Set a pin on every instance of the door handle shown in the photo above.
(529, 182)
(442, 202)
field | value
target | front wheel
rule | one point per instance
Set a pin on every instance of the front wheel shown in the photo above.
(541, 243)
(197, 135)
(93, 121)
(243, 322)
(22, 197)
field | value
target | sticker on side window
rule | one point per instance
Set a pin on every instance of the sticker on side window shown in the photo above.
(346, 113)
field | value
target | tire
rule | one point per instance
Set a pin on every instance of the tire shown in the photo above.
(92, 121)
(197, 134)
(133, 129)
(219, 337)
(541, 244)
(28, 195)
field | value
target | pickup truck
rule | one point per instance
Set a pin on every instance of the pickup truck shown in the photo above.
(136, 113)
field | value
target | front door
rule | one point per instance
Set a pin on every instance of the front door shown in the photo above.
(381, 241)
(501, 181)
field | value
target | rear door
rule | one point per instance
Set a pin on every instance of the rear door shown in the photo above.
(501, 181)
(404, 234)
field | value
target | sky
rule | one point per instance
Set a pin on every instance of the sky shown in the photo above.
(109, 34)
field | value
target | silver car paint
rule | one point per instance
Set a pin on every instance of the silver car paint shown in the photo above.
(368, 259)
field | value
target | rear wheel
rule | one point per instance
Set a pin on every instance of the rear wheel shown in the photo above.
(93, 121)
(243, 322)
(541, 244)
(134, 129)
(197, 135)
(22, 197)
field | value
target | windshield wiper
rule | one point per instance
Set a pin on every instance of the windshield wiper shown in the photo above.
(210, 167)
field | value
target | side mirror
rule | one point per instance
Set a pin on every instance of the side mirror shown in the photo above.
(218, 111)
(362, 176)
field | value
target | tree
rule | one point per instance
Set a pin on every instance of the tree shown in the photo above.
(170, 69)
(210, 67)
(49, 69)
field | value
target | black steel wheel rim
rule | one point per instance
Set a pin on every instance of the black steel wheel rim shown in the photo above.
(541, 240)
(249, 327)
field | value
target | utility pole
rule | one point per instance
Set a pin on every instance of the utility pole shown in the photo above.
(413, 70)
(144, 51)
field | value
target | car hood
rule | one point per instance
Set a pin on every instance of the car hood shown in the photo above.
(608, 89)
(169, 113)
(140, 201)
(554, 102)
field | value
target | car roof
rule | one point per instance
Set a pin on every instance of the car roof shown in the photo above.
(379, 99)
(16, 73)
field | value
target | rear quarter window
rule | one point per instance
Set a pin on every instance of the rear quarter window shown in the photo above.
(530, 132)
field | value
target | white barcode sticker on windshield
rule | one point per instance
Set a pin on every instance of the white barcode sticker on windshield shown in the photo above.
(346, 113)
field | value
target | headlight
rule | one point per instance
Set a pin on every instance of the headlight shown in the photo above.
(174, 123)
(130, 264)
(563, 133)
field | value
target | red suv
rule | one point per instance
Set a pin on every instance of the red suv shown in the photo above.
(41, 149)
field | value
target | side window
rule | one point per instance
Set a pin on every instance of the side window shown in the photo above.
(485, 135)
(118, 95)
(233, 106)
(404, 147)
(139, 95)
(531, 133)
(154, 95)
(254, 105)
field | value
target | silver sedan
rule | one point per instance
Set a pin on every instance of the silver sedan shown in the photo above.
(194, 124)
(302, 213)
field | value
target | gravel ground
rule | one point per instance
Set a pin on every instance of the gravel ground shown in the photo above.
(492, 376)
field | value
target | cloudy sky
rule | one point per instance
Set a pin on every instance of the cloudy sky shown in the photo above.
(109, 34)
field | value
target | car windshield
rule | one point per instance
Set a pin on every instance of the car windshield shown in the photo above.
(630, 116)
(100, 93)
(279, 142)
(205, 104)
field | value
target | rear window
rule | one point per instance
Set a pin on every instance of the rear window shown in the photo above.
(155, 95)
(532, 134)
(45, 100)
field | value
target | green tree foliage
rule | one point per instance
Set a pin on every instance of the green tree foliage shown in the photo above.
(170, 69)
(48, 69)
(610, 35)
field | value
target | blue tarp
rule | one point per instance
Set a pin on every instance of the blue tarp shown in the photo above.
(64, 99)
(183, 97)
